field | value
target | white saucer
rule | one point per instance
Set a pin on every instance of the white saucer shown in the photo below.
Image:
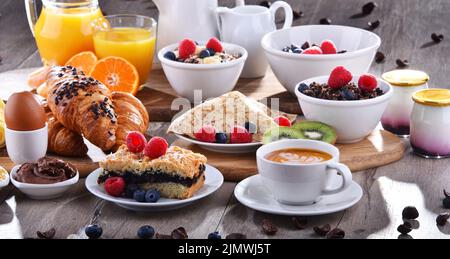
(251, 193)
(213, 181)
(224, 148)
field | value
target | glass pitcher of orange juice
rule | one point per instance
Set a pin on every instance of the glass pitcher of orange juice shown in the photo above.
(63, 29)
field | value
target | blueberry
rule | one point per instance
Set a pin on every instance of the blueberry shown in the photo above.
(130, 189)
(211, 52)
(204, 54)
(214, 235)
(93, 231)
(170, 56)
(152, 196)
(348, 95)
(446, 202)
(221, 138)
(250, 127)
(146, 232)
(139, 195)
(302, 87)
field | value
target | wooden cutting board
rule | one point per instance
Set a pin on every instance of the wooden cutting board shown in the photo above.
(158, 95)
(380, 148)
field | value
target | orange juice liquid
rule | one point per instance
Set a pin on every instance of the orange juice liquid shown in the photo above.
(62, 33)
(136, 45)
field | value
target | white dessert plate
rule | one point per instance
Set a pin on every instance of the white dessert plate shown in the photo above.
(224, 148)
(251, 193)
(213, 181)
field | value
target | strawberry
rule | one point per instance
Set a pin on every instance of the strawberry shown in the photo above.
(135, 141)
(186, 48)
(115, 186)
(206, 134)
(283, 121)
(240, 135)
(339, 77)
(156, 147)
(215, 45)
(314, 50)
(328, 47)
(367, 82)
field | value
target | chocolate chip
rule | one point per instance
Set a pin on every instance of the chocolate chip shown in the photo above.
(380, 57)
(49, 234)
(300, 223)
(322, 230)
(402, 63)
(265, 4)
(442, 219)
(369, 7)
(410, 213)
(437, 37)
(305, 45)
(325, 21)
(336, 233)
(236, 236)
(297, 15)
(404, 228)
(268, 227)
(373, 25)
(162, 236)
(179, 233)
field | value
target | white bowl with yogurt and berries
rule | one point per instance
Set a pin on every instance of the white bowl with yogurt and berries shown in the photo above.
(346, 46)
(199, 71)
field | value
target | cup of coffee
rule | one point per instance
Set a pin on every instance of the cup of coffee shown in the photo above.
(298, 171)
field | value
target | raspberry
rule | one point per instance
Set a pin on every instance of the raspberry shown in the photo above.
(186, 48)
(135, 141)
(314, 50)
(115, 186)
(283, 121)
(215, 45)
(206, 134)
(339, 77)
(156, 147)
(367, 82)
(328, 47)
(240, 135)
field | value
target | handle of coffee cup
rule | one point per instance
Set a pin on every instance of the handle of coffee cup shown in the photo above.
(344, 172)
(32, 14)
(289, 17)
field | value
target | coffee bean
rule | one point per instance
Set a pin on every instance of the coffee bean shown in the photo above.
(369, 7)
(336, 233)
(322, 230)
(325, 21)
(300, 223)
(179, 233)
(404, 228)
(265, 4)
(380, 57)
(49, 234)
(442, 219)
(373, 25)
(437, 37)
(162, 236)
(297, 15)
(410, 213)
(236, 236)
(268, 227)
(402, 63)
(305, 45)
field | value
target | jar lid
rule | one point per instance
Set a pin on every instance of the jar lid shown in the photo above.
(432, 97)
(406, 77)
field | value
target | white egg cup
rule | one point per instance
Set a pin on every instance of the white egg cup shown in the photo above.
(26, 146)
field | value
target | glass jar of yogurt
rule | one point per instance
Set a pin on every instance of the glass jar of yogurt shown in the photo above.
(430, 123)
(405, 83)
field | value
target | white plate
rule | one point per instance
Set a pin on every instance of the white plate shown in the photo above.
(224, 148)
(213, 181)
(251, 193)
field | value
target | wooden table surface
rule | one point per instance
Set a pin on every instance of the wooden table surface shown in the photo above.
(406, 26)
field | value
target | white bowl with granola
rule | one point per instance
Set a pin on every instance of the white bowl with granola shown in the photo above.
(197, 76)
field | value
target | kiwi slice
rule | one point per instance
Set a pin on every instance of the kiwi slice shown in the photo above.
(315, 130)
(278, 133)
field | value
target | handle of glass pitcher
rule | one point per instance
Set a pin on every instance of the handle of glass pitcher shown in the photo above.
(32, 14)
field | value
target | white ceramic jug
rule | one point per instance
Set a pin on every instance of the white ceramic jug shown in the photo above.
(179, 19)
(245, 26)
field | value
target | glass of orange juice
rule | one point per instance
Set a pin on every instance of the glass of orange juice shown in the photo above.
(64, 28)
(131, 37)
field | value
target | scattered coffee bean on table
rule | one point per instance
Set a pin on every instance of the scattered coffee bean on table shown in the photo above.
(410, 212)
(404, 228)
(437, 37)
(373, 25)
(300, 223)
(336, 233)
(179, 233)
(297, 15)
(442, 219)
(369, 7)
(268, 227)
(265, 4)
(380, 57)
(49, 234)
(325, 21)
(162, 236)
(322, 230)
(402, 63)
(236, 236)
